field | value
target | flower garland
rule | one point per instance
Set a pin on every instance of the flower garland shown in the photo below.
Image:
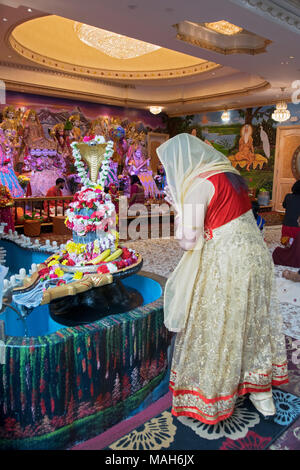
(53, 271)
(98, 203)
(93, 140)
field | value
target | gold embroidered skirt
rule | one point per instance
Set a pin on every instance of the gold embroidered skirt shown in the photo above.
(232, 343)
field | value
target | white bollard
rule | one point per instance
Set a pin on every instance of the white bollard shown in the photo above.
(33, 267)
(22, 273)
(6, 284)
(12, 280)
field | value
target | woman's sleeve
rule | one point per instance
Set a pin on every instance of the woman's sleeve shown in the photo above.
(190, 223)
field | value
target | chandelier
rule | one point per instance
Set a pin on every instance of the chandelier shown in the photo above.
(281, 112)
(155, 109)
(112, 44)
(225, 116)
(224, 27)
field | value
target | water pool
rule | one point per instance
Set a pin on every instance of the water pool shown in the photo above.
(41, 323)
(61, 385)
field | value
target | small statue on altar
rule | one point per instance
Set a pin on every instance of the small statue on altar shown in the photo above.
(10, 119)
(8, 177)
(99, 126)
(61, 137)
(135, 160)
(11, 125)
(75, 133)
(33, 134)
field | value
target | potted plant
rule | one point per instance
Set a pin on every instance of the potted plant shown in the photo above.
(263, 197)
(32, 225)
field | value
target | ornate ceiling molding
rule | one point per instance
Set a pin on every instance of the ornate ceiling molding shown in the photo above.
(65, 75)
(242, 42)
(109, 74)
(132, 102)
(285, 12)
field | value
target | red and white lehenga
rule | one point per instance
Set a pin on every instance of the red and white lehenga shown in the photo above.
(221, 298)
(232, 343)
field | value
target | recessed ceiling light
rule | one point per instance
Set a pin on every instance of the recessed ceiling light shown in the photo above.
(291, 57)
(4, 19)
(9, 56)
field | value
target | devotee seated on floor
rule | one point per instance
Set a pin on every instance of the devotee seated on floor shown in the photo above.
(55, 191)
(290, 254)
(137, 192)
(291, 203)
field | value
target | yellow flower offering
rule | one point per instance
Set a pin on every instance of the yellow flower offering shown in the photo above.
(59, 272)
(53, 263)
(78, 275)
(77, 248)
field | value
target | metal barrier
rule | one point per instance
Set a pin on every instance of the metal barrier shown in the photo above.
(41, 205)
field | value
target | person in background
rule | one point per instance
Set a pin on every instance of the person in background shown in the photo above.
(259, 220)
(290, 254)
(291, 203)
(55, 191)
(220, 299)
(6, 204)
(114, 194)
(137, 192)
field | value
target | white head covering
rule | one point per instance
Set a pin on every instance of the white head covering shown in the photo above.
(185, 158)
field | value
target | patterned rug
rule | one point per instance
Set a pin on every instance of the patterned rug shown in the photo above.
(246, 429)
(156, 429)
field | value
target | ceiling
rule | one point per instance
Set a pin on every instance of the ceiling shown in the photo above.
(41, 54)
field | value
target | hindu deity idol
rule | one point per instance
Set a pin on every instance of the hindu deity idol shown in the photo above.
(136, 160)
(99, 126)
(11, 119)
(75, 133)
(12, 128)
(33, 133)
(8, 177)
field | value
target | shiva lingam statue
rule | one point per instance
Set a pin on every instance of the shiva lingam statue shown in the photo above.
(93, 258)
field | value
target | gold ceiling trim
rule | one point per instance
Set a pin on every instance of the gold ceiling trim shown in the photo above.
(110, 74)
(235, 50)
(129, 102)
(58, 73)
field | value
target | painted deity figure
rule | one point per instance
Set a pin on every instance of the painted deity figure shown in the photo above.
(246, 149)
(246, 156)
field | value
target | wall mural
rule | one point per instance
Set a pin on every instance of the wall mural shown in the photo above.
(37, 132)
(248, 139)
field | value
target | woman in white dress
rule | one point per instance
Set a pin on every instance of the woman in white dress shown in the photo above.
(221, 297)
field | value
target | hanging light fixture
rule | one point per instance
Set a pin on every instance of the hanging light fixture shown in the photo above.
(155, 109)
(225, 116)
(281, 112)
(112, 44)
